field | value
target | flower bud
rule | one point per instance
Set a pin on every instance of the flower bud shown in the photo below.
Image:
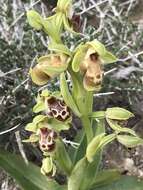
(48, 167)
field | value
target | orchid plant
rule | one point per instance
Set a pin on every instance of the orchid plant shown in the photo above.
(80, 73)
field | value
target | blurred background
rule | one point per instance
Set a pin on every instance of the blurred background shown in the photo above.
(117, 24)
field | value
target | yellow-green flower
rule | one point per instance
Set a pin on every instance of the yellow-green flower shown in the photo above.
(89, 60)
(48, 67)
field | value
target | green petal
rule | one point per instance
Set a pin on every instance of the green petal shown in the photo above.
(108, 58)
(32, 127)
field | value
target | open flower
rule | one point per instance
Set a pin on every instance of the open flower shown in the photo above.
(47, 139)
(58, 109)
(89, 60)
(48, 67)
(53, 106)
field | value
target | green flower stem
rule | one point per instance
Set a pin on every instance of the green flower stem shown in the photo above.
(87, 127)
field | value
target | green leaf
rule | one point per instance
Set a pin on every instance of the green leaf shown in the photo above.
(91, 171)
(106, 177)
(125, 183)
(28, 176)
(129, 141)
(81, 150)
(76, 176)
(62, 158)
(118, 113)
(60, 48)
(34, 19)
(116, 127)
(67, 96)
(108, 58)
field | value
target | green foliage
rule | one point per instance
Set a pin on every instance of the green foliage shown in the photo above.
(27, 175)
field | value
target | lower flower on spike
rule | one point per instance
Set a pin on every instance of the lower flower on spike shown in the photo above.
(47, 140)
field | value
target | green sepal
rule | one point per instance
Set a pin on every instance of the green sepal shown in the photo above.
(32, 139)
(67, 26)
(118, 113)
(129, 141)
(40, 106)
(58, 125)
(34, 19)
(31, 127)
(67, 95)
(59, 48)
(45, 93)
(53, 26)
(118, 129)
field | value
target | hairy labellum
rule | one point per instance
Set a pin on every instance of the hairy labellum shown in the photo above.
(47, 139)
(58, 109)
(92, 69)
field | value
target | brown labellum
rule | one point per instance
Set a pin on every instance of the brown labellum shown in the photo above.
(58, 109)
(91, 67)
(47, 139)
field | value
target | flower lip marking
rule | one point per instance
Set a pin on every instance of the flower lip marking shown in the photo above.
(58, 109)
(47, 139)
